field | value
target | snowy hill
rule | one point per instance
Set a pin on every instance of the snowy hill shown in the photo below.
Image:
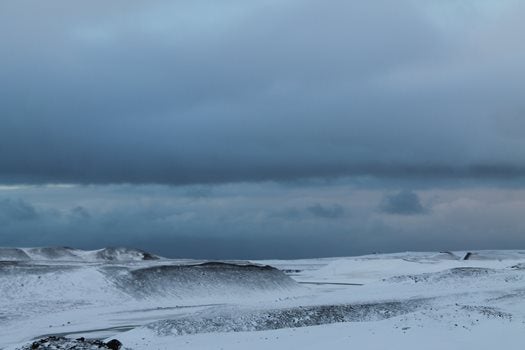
(451, 300)
(70, 254)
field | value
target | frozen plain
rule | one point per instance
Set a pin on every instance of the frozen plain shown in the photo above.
(399, 301)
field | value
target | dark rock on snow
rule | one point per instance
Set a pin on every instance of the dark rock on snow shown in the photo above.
(62, 343)
(114, 344)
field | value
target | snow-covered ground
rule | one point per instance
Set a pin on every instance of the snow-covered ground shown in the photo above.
(405, 300)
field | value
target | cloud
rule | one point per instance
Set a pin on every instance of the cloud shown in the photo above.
(339, 102)
(13, 210)
(192, 93)
(315, 211)
(327, 212)
(80, 213)
(238, 221)
(402, 203)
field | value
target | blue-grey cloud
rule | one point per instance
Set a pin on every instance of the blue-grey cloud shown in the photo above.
(241, 221)
(16, 210)
(80, 213)
(316, 211)
(329, 212)
(177, 93)
(402, 203)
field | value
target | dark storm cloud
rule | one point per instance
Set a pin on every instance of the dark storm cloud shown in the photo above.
(203, 92)
(402, 203)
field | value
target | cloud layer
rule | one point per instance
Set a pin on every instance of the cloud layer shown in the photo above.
(178, 93)
(402, 203)
(311, 128)
(262, 220)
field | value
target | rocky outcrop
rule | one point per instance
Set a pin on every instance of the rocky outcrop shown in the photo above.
(62, 343)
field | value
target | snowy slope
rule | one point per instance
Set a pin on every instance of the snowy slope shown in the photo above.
(71, 254)
(56, 293)
(376, 301)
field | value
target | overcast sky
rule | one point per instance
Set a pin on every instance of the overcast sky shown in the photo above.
(239, 129)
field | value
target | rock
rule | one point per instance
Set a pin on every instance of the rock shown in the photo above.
(62, 343)
(114, 344)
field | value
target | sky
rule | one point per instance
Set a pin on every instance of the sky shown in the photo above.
(263, 129)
